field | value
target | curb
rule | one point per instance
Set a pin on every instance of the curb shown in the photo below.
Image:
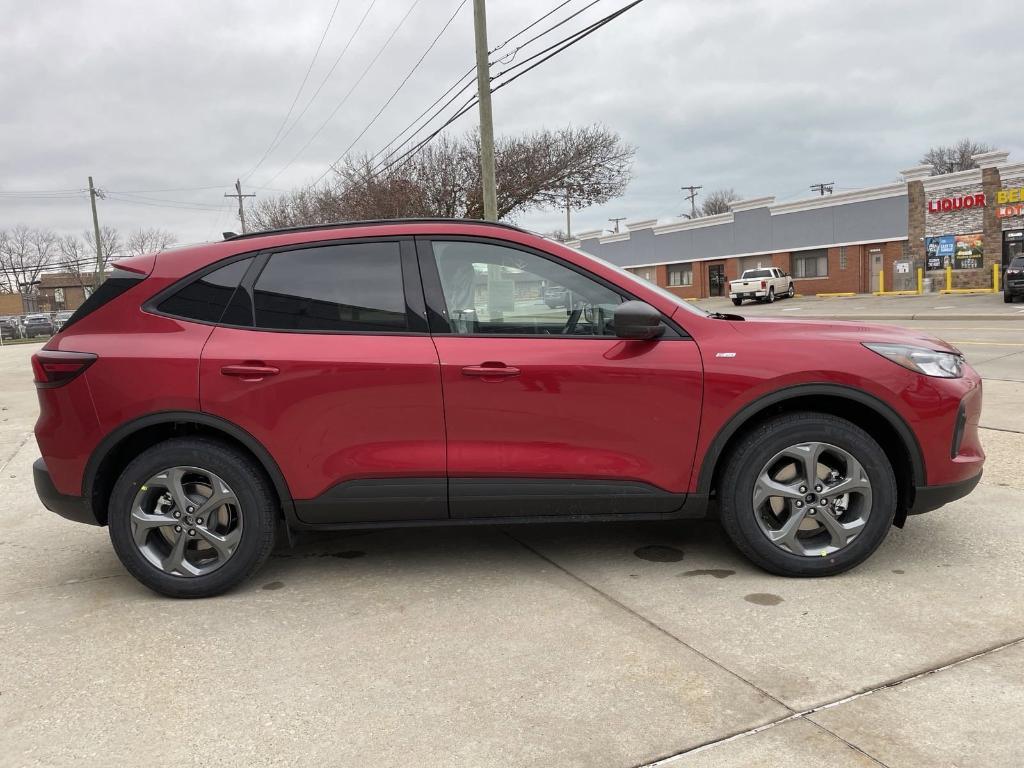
(908, 316)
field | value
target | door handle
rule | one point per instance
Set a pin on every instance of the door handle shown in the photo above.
(490, 370)
(250, 371)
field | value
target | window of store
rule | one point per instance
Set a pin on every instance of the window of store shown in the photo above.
(843, 260)
(680, 274)
(811, 263)
(755, 262)
(646, 274)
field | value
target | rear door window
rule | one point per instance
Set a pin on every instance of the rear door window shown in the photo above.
(206, 298)
(353, 288)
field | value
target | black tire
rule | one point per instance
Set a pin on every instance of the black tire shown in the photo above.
(737, 302)
(757, 448)
(771, 295)
(258, 511)
(1007, 298)
(792, 291)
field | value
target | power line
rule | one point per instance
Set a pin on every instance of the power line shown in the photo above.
(823, 188)
(570, 17)
(692, 197)
(346, 96)
(395, 92)
(451, 88)
(326, 77)
(562, 45)
(298, 93)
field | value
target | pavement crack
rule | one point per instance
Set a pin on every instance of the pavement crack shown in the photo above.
(619, 604)
(1002, 429)
(851, 745)
(669, 759)
(14, 453)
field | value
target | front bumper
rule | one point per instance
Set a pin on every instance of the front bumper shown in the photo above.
(71, 507)
(931, 497)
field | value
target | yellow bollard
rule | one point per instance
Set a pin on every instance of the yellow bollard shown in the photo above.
(949, 278)
(995, 278)
(920, 280)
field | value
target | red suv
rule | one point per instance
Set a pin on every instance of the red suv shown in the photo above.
(385, 374)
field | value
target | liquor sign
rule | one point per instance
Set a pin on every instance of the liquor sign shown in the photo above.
(948, 204)
(956, 251)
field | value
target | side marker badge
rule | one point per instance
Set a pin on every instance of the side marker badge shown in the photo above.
(725, 354)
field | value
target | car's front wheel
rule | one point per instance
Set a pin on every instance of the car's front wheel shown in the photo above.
(807, 494)
(1007, 297)
(792, 291)
(192, 517)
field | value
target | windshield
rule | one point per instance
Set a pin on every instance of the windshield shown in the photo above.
(1017, 263)
(752, 273)
(639, 281)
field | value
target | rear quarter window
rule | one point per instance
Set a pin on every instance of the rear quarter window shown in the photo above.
(206, 298)
(117, 282)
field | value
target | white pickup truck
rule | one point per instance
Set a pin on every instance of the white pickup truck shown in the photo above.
(763, 284)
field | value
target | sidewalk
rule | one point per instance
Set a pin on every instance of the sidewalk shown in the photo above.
(929, 306)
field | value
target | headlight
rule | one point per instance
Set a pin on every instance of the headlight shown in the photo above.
(945, 365)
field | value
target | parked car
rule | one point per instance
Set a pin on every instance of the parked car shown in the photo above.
(1013, 280)
(38, 325)
(9, 328)
(764, 284)
(60, 318)
(317, 379)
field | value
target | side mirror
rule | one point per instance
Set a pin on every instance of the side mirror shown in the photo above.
(637, 320)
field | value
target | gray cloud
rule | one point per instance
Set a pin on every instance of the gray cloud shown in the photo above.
(766, 97)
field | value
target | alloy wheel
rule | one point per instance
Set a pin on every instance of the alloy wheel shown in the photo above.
(186, 521)
(812, 499)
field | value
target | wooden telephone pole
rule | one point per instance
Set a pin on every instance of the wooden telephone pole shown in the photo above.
(483, 91)
(241, 208)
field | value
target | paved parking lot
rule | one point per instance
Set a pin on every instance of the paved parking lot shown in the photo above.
(597, 645)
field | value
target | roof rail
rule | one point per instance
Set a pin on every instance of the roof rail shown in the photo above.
(371, 222)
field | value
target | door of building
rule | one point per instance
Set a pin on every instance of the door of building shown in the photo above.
(1013, 245)
(875, 255)
(716, 280)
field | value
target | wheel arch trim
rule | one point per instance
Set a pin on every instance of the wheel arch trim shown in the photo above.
(751, 410)
(125, 430)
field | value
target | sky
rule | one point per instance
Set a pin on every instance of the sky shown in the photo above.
(166, 104)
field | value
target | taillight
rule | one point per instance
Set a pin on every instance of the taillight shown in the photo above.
(54, 369)
(763, 285)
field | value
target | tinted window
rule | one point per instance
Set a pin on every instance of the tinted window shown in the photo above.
(117, 282)
(491, 289)
(755, 273)
(356, 288)
(1017, 263)
(205, 299)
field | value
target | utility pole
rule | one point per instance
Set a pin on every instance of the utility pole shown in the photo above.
(692, 197)
(241, 208)
(93, 194)
(483, 89)
(616, 222)
(568, 219)
(823, 188)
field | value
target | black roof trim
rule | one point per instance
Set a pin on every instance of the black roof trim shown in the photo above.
(373, 222)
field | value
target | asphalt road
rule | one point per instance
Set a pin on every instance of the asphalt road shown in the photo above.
(590, 645)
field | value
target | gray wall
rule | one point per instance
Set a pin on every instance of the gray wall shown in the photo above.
(757, 231)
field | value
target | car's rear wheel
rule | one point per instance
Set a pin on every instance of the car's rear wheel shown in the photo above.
(737, 302)
(192, 517)
(807, 494)
(771, 294)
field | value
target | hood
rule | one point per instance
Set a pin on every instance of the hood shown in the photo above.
(839, 330)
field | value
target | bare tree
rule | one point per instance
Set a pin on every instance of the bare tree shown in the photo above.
(76, 257)
(718, 202)
(24, 253)
(148, 240)
(537, 170)
(954, 157)
(111, 248)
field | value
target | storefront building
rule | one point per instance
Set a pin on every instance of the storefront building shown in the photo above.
(851, 242)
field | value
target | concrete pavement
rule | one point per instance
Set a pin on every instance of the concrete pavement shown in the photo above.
(597, 645)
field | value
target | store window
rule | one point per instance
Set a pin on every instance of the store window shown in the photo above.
(811, 264)
(646, 274)
(843, 261)
(755, 262)
(680, 274)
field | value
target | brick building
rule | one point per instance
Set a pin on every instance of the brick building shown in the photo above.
(62, 290)
(839, 243)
